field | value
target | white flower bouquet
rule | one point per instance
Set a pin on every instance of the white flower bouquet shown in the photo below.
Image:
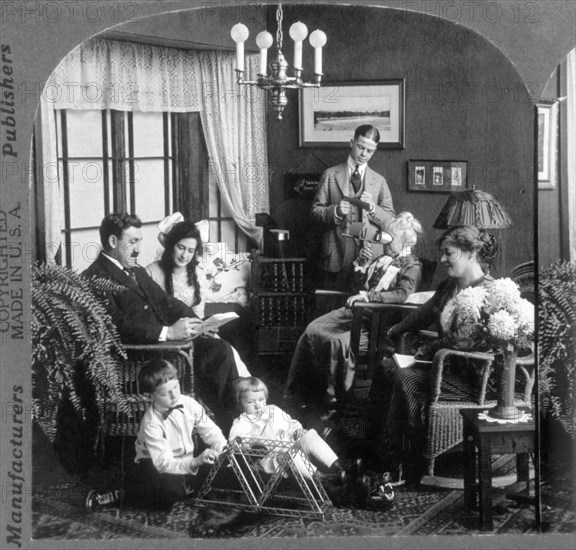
(498, 317)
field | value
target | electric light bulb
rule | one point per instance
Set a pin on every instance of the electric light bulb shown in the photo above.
(264, 40)
(239, 33)
(318, 39)
(298, 31)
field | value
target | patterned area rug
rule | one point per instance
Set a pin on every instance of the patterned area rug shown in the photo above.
(58, 514)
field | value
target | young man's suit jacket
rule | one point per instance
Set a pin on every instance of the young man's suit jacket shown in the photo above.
(333, 187)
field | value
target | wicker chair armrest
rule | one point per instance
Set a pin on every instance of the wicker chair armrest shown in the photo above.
(168, 345)
(438, 367)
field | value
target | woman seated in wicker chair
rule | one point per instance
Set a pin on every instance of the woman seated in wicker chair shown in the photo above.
(322, 368)
(396, 415)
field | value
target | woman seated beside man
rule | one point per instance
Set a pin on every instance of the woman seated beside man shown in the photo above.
(396, 416)
(176, 273)
(323, 362)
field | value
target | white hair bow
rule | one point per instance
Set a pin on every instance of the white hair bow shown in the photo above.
(164, 226)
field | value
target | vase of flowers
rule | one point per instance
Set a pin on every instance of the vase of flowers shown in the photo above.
(497, 319)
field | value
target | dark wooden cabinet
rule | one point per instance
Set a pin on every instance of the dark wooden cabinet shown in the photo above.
(282, 302)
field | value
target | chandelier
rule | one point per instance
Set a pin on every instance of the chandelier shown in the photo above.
(277, 82)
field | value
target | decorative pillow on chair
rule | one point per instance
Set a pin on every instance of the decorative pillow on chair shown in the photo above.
(224, 275)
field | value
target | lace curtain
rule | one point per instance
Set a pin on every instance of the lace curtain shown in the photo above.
(110, 74)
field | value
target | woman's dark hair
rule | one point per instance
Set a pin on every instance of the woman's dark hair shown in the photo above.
(182, 230)
(471, 239)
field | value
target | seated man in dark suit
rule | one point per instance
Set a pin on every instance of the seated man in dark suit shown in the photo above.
(145, 314)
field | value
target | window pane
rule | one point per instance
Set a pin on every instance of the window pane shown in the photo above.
(149, 189)
(84, 133)
(58, 119)
(224, 212)
(85, 247)
(86, 185)
(148, 134)
(228, 233)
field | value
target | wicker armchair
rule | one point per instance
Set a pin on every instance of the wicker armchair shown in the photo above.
(444, 424)
(117, 423)
(444, 429)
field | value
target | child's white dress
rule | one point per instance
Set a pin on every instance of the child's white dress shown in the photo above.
(278, 425)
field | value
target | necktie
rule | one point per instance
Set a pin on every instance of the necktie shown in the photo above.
(356, 180)
(166, 414)
(131, 274)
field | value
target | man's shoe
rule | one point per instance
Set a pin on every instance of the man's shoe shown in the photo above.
(98, 501)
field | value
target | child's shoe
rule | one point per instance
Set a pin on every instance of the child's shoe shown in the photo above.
(97, 501)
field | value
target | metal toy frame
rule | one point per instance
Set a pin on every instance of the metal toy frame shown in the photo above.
(244, 455)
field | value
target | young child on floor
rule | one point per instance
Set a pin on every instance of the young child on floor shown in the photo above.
(262, 421)
(165, 468)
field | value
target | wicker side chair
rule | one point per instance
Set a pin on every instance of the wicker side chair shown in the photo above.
(444, 424)
(114, 423)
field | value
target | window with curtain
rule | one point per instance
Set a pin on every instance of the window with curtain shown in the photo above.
(149, 163)
(168, 146)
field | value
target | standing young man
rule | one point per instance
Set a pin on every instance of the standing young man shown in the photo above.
(352, 179)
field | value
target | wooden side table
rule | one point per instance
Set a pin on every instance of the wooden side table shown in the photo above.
(492, 438)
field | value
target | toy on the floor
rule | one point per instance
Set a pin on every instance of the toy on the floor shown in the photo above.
(262, 492)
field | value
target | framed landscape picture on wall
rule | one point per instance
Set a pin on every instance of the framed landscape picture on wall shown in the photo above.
(439, 176)
(330, 114)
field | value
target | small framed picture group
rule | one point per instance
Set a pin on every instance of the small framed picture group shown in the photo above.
(439, 176)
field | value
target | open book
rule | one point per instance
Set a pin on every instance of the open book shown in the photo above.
(404, 361)
(219, 319)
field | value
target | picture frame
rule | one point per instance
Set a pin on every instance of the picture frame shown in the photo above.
(437, 176)
(301, 185)
(330, 114)
(547, 123)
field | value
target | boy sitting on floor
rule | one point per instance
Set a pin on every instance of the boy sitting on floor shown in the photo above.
(165, 468)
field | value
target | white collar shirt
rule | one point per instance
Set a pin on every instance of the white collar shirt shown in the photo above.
(168, 441)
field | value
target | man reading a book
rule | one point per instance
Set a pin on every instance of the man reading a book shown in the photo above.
(145, 314)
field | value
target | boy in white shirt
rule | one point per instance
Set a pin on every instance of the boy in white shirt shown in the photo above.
(166, 469)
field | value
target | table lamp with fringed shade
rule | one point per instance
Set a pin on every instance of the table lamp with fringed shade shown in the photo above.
(473, 207)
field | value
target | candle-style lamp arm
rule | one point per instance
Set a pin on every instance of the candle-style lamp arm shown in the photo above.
(278, 81)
